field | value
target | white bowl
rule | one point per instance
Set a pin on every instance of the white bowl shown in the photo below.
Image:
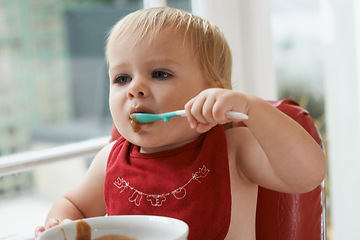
(140, 227)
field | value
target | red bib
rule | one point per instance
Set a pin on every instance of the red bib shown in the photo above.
(191, 183)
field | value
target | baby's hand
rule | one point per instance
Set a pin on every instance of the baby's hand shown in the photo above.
(51, 223)
(209, 107)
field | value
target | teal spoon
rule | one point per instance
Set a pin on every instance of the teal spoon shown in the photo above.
(147, 117)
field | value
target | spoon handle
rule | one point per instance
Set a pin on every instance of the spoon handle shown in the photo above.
(237, 115)
(230, 114)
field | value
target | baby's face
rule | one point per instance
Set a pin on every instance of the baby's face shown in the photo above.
(155, 77)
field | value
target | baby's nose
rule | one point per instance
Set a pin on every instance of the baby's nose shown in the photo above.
(137, 88)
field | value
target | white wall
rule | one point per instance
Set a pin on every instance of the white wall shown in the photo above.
(342, 76)
(246, 25)
(154, 3)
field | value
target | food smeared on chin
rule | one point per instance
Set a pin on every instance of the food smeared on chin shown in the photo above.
(135, 125)
(84, 233)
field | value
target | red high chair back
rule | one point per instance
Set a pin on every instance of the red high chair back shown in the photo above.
(282, 216)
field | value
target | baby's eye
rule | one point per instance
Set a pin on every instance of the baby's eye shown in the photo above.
(161, 75)
(122, 79)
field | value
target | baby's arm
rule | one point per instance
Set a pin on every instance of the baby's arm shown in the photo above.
(86, 199)
(273, 151)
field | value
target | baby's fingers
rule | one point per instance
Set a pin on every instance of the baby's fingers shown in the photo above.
(200, 109)
(38, 231)
(192, 120)
(52, 223)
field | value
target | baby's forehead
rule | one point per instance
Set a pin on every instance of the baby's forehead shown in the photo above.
(151, 36)
(152, 33)
(165, 42)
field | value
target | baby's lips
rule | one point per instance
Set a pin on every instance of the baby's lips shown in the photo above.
(139, 109)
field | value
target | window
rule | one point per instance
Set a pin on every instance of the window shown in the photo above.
(53, 91)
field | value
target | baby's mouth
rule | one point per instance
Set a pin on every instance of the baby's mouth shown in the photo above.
(136, 126)
(139, 109)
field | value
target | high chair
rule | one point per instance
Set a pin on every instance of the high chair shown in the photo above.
(282, 216)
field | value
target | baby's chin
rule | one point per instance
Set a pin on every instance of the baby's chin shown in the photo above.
(156, 138)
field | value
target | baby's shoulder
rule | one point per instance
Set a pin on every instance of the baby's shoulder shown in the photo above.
(104, 153)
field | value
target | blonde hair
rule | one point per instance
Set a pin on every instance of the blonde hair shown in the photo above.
(207, 40)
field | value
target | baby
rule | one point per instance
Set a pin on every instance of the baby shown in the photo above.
(202, 169)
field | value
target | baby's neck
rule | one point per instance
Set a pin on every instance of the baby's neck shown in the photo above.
(166, 147)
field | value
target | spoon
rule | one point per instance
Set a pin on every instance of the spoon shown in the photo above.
(148, 117)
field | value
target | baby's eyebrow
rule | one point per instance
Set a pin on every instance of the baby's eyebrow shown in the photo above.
(165, 61)
(162, 61)
(117, 67)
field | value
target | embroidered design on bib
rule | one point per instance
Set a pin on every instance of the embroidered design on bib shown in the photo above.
(157, 200)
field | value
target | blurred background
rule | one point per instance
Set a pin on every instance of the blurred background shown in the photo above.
(54, 86)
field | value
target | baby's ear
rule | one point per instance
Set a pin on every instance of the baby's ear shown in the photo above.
(218, 84)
